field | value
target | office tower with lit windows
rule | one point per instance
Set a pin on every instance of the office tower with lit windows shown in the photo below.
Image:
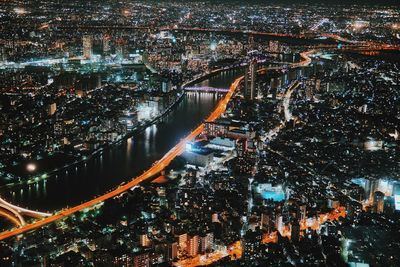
(193, 245)
(51, 109)
(87, 46)
(251, 245)
(121, 48)
(295, 231)
(106, 44)
(379, 200)
(250, 80)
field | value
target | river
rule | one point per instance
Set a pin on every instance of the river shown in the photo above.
(123, 161)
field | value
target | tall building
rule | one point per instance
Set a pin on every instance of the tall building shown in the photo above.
(264, 220)
(122, 260)
(166, 86)
(318, 85)
(3, 53)
(279, 222)
(193, 246)
(121, 48)
(250, 80)
(182, 239)
(251, 246)
(309, 88)
(217, 128)
(295, 231)
(106, 44)
(370, 188)
(206, 242)
(172, 251)
(141, 260)
(214, 218)
(87, 46)
(52, 108)
(379, 201)
(144, 240)
(275, 85)
(303, 213)
(251, 42)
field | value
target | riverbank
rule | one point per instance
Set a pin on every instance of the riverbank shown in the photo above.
(152, 171)
(64, 169)
(146, 175)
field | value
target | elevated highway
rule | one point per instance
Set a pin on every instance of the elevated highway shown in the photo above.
(16, 214)
(23, 211)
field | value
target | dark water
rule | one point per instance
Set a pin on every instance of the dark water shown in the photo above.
(121, 162)
(5, 224)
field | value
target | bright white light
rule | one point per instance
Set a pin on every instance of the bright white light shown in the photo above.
(213, 46)
(397, 202)
(31, 167)
(189, 147)
(20, 11)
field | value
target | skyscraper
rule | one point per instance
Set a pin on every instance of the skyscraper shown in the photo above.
(251, 42)
(51, 109)
(106, 44)
(193, 245)
(144, 240)
(295, 231)
(251, 246)
(264, 220)
(250, 80)
(279, 222)
(303, 213)
(206, 242)
(3, 53)
(121, 48)
(172, 250)
(87, 46)
(379, 199)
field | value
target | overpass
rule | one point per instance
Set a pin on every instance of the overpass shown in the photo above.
(16, 214)
(11, 216)
(23, 211)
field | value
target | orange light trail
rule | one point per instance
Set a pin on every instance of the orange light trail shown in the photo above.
(9, 217)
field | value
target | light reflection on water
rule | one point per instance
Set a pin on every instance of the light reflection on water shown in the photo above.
(124, 161)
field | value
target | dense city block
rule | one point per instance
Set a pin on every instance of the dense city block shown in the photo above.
(199, 133)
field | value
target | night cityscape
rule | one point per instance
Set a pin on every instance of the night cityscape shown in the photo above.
(199, 133)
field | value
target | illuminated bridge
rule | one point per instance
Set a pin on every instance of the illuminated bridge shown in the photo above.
(206, 89)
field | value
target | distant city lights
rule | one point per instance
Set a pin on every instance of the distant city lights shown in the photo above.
(20, 11)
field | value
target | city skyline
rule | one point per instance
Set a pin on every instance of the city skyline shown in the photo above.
(194, 133)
